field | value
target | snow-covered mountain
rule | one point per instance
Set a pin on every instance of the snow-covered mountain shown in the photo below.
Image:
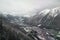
(46, 18)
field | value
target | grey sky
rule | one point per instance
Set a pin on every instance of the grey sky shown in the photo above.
(20, 7)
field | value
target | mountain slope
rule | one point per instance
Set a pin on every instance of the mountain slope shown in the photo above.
(46, 18)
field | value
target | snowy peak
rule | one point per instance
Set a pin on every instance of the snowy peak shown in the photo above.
(45, 11)
(45, 17)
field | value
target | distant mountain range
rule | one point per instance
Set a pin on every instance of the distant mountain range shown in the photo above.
(45, 18)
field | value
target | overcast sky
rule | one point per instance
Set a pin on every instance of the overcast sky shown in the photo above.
(20, 7)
